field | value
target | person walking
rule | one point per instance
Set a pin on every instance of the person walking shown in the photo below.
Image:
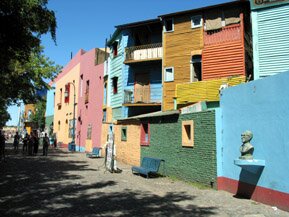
(45, 144)
(35, 143)
(2, 146)
(25, 143)
(16, 142)
(30, 145)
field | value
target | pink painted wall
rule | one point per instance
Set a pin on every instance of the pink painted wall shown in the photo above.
(91, 112)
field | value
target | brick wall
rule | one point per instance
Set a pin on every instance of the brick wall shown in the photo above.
(198, 163)
(128, 151)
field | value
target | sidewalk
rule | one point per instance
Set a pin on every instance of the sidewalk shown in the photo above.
(69, 184)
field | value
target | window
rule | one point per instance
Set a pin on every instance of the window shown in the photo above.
(196, 68)
(169, 25)
(114, 49)
(60, 96)
(66, 93)
(81, 85)
(58, 125)
(123, 133)
(114, 85)
(188, 133)
(87, 92)
(197, 21)
(89, 130)
(104, 116)
(145, 134)
(169, 74)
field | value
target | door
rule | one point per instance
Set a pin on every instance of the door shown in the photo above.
(142, 88)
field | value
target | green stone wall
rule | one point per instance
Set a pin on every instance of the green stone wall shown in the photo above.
(196, 164)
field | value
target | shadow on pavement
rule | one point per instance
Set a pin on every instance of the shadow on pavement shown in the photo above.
(45, 186)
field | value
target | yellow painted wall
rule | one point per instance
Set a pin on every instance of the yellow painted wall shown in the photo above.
(178, 46)
(65, 112)
(204, 90)
(128, 151)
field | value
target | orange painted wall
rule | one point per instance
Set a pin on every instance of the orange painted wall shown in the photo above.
(177, 46)
(224, 53)
(128, 151)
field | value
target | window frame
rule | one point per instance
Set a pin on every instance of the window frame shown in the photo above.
(143, 141)
(173, 25)
(165, 74)
(201, 21)
(186, 141)
(123, 136)
(114, 88)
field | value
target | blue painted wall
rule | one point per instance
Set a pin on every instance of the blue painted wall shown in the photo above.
(50, 102)
(117, 69)
(270, 40)
(260, 106)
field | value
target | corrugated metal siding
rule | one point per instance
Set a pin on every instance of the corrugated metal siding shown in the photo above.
(223, 60)
(204, 90)
(272, 40)
(223, 53)
(116, 70)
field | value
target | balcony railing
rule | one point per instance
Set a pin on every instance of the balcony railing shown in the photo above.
(144, 53)
(205, 90)
(128, 96)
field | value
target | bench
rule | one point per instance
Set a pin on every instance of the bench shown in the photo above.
(148, 166)
(94, 154)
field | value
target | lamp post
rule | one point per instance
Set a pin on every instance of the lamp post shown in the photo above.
(66, 94)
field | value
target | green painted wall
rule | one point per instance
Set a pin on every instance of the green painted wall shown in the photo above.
(197, 164)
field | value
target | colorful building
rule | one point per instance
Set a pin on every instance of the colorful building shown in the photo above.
(29, 124)
(270, 37)
(66, 84)
(90, 98)
(204, 44)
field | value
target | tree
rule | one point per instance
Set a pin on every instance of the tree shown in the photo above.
(39, 115)
(23, 67)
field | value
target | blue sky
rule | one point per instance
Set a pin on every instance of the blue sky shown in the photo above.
(87, 23)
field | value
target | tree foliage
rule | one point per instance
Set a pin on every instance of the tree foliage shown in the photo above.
(23, 67)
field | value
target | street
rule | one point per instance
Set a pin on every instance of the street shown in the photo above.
(69, 184)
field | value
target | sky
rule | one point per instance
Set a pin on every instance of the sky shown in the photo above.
(85, 24)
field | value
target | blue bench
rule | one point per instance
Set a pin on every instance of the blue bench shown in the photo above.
(95, 153)
(148, 166)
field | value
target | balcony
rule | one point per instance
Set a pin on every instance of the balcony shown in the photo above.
(131, 100)
(150, 52)
(208, 90)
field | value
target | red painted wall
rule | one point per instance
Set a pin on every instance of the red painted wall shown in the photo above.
(224, 54)
(91, 112)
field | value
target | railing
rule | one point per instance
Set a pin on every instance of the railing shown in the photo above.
(144, 52)
(208, 90)
(128, 96)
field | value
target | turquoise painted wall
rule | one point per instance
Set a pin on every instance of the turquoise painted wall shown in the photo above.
(270, 40)
(117, 69)
(196, 164)
(260, 106)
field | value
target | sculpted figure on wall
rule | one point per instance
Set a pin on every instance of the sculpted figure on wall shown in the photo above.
(246, 148)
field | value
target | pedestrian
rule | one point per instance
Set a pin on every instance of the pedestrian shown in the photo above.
(45, 144)
(30, 145)
(25, 143)
(2, 147)
(35, 143)
(16, 142)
